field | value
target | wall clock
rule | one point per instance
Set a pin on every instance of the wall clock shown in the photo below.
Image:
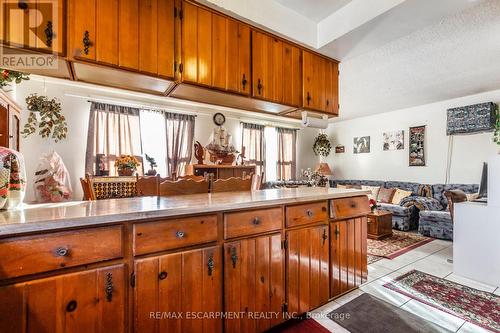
(219, 119)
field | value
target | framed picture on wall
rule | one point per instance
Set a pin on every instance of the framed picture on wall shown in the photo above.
(361, 145)
(394, 140)
(417, 146)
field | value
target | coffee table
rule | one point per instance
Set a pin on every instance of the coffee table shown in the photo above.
(379, 224)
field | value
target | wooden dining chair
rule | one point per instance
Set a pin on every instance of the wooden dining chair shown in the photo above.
(88, 193)
(182, 187)
(192, 177)
(147, 185)
(256, 182)
(232, 184)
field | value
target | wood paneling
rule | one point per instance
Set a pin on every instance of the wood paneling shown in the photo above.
(148, 36)
(220, 51)
(348, 255)
(306, 213)
(292, 75)
(252, 222)
(83, 22)
(254, 282)
(185, 282)
(349, 207)
(78, 302)
(166, 38)
(128, 36)
(107, 31)
(42, 253)
(170, 234)
(307, 268)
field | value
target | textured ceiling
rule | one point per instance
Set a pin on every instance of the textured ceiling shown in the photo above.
(315, 10)
(456, 57)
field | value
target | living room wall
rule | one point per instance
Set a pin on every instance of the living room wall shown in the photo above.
(76, 108)
(468, 152)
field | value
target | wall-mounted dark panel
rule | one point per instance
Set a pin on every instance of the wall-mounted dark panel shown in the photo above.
(471, 119)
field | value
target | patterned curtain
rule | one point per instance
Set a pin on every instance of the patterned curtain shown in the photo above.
(113, 131)
(254, 143)
(287, 160)
(180, 134)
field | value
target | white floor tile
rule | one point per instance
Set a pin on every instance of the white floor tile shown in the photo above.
(375, 272)
(470, 283)
(433, 315)
(349, 297)
(471, 328)
(327, 308)
(429, 266)
(377, 289)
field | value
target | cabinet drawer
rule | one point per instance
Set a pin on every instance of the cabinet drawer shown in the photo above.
(306, 213)
(42, 253)
(170, 234)
(349, 207)
(252, 222)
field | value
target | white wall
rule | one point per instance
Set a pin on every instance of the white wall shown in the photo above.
(468, 151)
(76, 109)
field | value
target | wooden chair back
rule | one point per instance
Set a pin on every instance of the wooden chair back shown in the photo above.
(232, 184)
(147, 185)
(182, 187)
(192, 177)
(256, 182)
(88, 193)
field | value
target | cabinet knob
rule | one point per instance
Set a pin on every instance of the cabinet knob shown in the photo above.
(211, 265)
(62, 252)
(180, 234)
(337, 232)
(244, 82)
(256, 221)
(71, 306)
(259, 86)
(309, 213)
(324, 236)
(86, 42)
(234, 257)
(162, 275)
(49, 34)
(108, 287)
(309, 98)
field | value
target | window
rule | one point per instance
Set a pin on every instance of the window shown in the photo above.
(254, 143)
(286, 163)
(154, 138)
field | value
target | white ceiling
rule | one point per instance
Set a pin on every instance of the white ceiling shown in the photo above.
(315, 10)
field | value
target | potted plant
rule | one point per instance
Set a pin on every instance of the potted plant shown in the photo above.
(50, 122)
(126, 165)
(9, 76)
(152, 165)
(322, 145)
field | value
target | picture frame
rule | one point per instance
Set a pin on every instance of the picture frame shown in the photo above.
(417, 146)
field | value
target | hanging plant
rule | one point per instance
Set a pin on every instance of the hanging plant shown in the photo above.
(9, 76)
(496, 134)
(322, 145)
(51, 123)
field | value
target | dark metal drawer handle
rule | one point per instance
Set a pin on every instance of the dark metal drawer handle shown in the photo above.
(71, 306)
(244, 81)
(234, 257)
(256, 221)
(309, 213)
(353, 205)
(49, 34)
(86, 42)
(180, 234)
(108, 287)
(62, 252)
(259, 86)
(211, 265)
(162, 275)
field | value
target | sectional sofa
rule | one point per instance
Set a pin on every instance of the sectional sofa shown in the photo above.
(426, 209)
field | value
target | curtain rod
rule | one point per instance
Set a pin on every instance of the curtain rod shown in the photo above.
(142, 107)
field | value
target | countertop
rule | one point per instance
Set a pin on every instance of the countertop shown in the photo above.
(48, 217)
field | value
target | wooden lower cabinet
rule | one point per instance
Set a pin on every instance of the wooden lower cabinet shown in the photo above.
(254, 283)
(88, 301)
(307, 268)
(348, 254)
(177, 292)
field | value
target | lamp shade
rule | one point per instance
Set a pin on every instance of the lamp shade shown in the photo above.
(324, 169)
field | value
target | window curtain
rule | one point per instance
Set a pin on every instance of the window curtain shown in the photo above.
(180, 135)
(254, 144)
(113, 131)
(287, 160)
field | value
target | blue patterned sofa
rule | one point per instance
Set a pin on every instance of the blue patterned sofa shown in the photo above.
(437, 222)
(404, 218)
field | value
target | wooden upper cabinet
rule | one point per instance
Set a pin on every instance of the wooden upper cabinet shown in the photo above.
(267, 61)
(320, 83)
(292, 75)
(45, 19)
(132, 34)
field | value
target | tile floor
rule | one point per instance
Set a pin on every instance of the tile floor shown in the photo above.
(430, 258)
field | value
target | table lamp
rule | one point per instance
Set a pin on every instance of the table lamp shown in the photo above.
(325, 170)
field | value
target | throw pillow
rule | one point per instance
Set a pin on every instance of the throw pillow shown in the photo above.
(400, 195)
(385, 194)
(343, 187)
(472, 196)
(373, 189)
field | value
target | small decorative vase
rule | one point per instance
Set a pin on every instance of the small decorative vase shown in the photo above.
(151, 172)
(125, 172)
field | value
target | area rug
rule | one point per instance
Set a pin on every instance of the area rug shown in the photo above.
(399, 243)
(475, 306)
(299, 326)
(372, 259)
(368, 313)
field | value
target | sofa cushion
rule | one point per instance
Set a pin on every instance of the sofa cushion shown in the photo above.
(400, 195)
(407, 186)
(422, 203)
(439, 189)
(385, 195)
(373, 189)
(394, 209)
(435, 216)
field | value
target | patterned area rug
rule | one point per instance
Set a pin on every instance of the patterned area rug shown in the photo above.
(400, 242)
(475, 306)
(372, 259)
(299, 326)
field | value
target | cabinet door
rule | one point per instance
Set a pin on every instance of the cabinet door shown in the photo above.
(166, 38)
(220, 56)
(50, 25)
(107, 31)
(253, 282)
(16, 20)
(88, 301)
(180, 284)
(308, 271)
(292, 75)
(83, 29)
(148, 36)
(348, 255)
(128, 35)
(308, 69)
(260, 71)
(238, 79)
